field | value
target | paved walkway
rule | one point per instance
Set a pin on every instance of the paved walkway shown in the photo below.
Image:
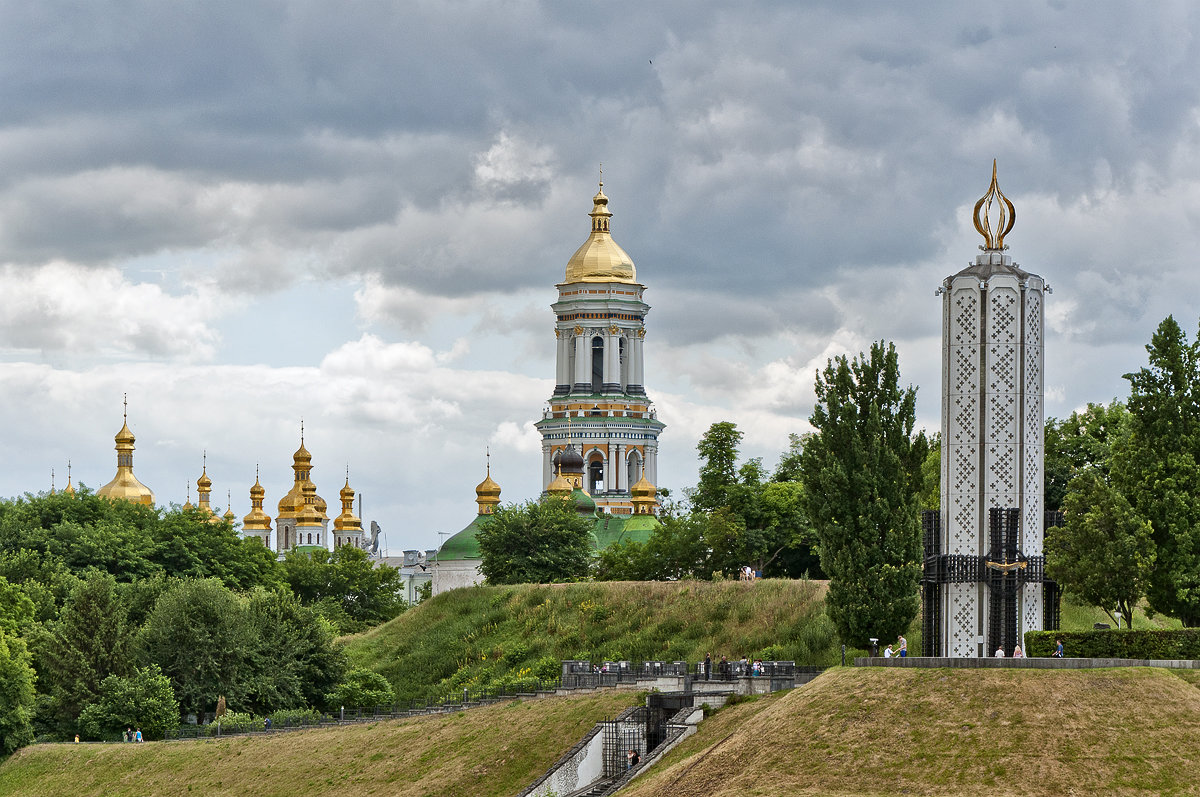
(1025, 664)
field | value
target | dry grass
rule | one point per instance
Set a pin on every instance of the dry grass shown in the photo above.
(950, 732)
(496, 750)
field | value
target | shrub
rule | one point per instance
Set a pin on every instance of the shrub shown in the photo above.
(1137, 643)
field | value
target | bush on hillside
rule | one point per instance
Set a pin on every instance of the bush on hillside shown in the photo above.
(1137, 643)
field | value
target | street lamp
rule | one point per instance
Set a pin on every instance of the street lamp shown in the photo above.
(1118, 615)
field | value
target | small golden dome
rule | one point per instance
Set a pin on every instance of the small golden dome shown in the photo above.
(347, 491)
(487, 488)
(204, 483)
(301, 455)
(257, 490)
(559, 486)
(642, 487)
(600, 259)
(229, 515)
(125, 435)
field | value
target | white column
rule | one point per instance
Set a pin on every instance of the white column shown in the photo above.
(650, 466)
(583, 361)
(612, 361)
(547, 468)
(619, 463)
(636, 373)
(562, 375)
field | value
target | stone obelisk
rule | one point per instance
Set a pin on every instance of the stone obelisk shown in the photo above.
(984, 580)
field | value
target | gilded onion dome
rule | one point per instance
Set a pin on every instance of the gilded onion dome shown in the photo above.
(70, 488)
(229, 517)
(600, 259)
(487, 492)
(559, 485)
(347, 522)
(257, 520)
(644, 499)
(295, 500)
(204, 489)
(125, 486)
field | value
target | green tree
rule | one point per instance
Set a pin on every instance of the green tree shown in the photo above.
(930, 496)
(16, 693)
(861, 475)
(363, 688)
(1105, 552)
(198, 636)
(292, 660)
(91, 640)
(1156, 468)
(536, 542)
(144, 699)
(718, 449)
(1085, 440)
(351, 590)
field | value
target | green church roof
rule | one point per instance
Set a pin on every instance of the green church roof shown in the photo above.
(463, 545)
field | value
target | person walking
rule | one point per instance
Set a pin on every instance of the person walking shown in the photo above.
(707, 666)
(137, 735)
(1058, 650)
(902, 643)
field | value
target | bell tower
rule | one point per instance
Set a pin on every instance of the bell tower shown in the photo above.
(599, 403)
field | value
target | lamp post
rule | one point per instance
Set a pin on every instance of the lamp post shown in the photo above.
(1118, 615)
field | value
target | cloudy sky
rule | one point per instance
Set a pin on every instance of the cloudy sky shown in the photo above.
(247, 213)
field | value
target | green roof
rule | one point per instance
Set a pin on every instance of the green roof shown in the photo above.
(463, 545)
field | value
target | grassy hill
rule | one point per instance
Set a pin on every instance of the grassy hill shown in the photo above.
(869, 731)
(485, 635)
(853, 731)
(487, 752)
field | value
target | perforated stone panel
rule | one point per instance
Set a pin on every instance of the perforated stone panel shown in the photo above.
(1033, 422)
(962, 620)
(1031, 609)
(962, 349)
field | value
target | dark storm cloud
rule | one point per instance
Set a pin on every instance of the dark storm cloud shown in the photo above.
(789, 145)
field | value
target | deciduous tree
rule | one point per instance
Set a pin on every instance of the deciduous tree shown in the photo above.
(861, 474)
(1105, 553)
(536, 542)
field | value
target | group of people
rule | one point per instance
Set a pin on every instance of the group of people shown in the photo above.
(901, 648)
(132, 735)
(1017, 652)
(726, 668)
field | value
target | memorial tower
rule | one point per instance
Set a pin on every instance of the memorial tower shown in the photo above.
(983, 582)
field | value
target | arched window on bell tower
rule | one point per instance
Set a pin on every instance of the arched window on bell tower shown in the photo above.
(635, 468)
(596, 476)
(597, 364)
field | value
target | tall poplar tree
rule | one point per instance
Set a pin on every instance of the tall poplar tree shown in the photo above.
(1157, 471)
(861, 473)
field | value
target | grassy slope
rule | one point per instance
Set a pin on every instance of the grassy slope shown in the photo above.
(481, 634)
(496, 750)
(943, 732)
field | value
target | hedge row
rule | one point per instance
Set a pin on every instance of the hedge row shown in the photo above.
(1112, 643)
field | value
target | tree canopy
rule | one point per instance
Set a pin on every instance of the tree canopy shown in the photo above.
(536, 542)
(861, 474)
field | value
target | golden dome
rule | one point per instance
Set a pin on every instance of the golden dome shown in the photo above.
(347, 522)
(204, 483)
(487, 493)
(257, 520)
(559, 486)
(125, 435)
(642, 487)
(125, 486)
(229, 515)
(600, 259)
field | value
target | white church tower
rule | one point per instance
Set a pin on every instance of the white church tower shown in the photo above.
(599, 406)
(984, 583)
